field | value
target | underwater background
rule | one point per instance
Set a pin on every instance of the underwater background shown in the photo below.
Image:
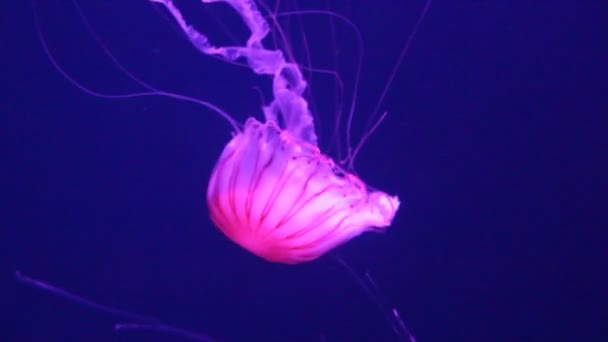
(495, 142)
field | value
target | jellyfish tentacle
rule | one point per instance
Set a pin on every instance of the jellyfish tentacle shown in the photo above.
(288, 108)
(138, 322)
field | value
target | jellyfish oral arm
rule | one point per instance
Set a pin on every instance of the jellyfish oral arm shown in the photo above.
(288, 106)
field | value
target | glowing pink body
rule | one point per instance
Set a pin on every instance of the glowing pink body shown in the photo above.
(284, 201)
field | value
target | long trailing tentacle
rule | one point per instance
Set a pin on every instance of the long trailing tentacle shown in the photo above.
(138, 322)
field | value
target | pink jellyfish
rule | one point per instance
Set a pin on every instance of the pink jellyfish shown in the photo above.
(272, 191)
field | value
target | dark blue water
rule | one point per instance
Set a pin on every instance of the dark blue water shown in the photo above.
(495, 143)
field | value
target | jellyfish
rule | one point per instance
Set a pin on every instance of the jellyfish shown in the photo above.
(272, 191)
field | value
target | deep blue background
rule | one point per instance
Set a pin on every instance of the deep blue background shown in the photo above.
(495, 143)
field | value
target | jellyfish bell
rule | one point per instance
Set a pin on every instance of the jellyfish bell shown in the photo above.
(272, 191)
(280, 198)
